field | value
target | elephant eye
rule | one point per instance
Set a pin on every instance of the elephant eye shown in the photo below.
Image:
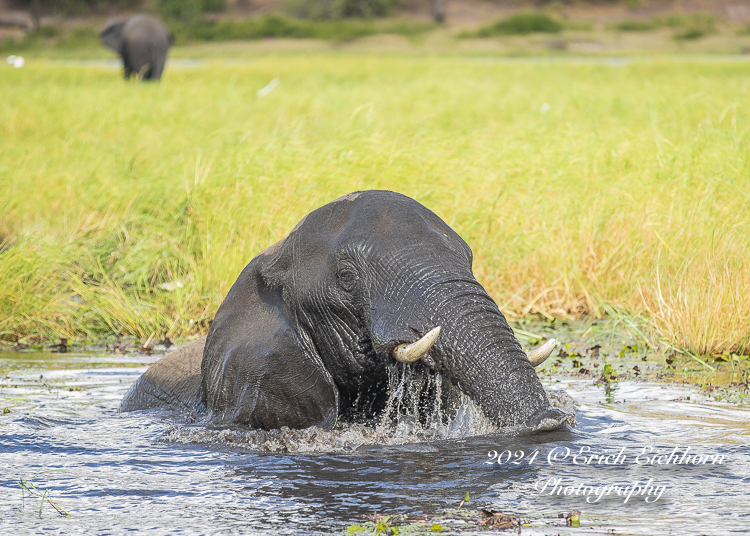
(347, 278)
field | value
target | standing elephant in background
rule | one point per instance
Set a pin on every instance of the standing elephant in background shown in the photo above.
(309, 328)
(142, 43)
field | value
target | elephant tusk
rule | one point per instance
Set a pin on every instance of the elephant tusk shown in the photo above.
(409, 353)
(538, 356)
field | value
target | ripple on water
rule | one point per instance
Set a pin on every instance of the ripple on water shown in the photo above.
(139, 471)
(404, 422)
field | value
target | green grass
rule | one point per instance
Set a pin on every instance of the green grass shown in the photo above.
(688, 27)
(627, 193)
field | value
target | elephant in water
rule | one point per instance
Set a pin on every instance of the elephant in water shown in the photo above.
(142, 43)
(309, 328)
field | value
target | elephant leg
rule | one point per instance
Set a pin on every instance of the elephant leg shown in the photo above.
(126, 65)
(145, 72)
(157, 67)
(172, 382)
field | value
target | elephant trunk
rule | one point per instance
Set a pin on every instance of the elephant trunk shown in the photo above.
(498, 376)
(479, 353)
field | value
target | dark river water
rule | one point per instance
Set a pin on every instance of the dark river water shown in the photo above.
(678, 464)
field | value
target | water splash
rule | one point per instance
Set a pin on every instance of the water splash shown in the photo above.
(422, 406)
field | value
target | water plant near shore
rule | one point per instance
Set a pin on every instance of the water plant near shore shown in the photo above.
(28, 486)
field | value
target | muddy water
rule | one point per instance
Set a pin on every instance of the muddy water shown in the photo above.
(116, 472)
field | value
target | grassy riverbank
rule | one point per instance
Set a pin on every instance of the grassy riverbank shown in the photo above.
(584, 188)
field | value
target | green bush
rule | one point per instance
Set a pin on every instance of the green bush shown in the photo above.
(214, 6)
(187, 10)
(45, 31)
(362, 8)
(178, 9)
(695, 20)
(694, 26)
(338, 9)
(691, 33)
(634, 26)
(519, 24)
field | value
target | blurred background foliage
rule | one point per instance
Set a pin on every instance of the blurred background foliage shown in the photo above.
(191, 9)
(187, 10)
(74, 7)
(338, 9)
(215, 20)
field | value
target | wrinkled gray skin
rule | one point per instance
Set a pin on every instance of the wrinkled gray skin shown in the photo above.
(142, 43)
(309, 326)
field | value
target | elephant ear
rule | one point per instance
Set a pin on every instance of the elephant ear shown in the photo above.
(257, 369)
(112, 35)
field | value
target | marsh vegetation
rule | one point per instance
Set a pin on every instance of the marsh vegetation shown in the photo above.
(583, 189)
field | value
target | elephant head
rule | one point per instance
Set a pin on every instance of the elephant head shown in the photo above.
(112, 35)
(312, 322)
